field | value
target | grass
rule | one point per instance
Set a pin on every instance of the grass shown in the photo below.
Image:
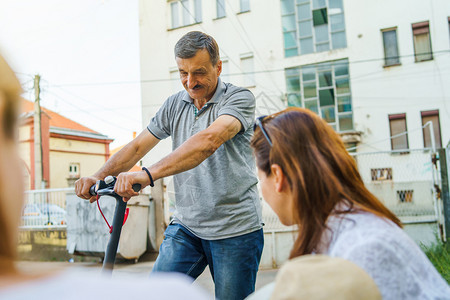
(439, 255)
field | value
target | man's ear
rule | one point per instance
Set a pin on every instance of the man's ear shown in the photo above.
(219, 67)
(280, 178)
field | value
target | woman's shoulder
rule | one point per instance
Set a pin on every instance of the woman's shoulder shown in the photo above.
(361, 224)
(358, 229)
(388, 254)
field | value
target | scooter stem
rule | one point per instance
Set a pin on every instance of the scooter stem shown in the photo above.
(111, 249)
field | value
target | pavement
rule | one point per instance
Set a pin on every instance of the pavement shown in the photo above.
(135, 269)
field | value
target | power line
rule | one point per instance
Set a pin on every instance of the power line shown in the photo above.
(24, 74)
(27, 83)
(241, 73)
(90, 103)
(224, 52)
(96, 116)
(249, 39)
(117, 108)
(386, 139)
(397, 76)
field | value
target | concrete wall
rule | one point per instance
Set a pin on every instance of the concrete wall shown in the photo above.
(88, 234)
(425, 234)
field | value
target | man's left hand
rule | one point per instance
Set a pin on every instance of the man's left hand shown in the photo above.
(125, 181)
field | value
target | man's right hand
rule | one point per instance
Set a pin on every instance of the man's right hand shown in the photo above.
(82, 187)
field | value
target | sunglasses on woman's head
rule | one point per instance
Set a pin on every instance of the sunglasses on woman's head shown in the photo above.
(259, 123)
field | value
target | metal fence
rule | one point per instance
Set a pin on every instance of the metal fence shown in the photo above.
(409, 183)
(404, 181)
(445, 172)
(45, 208)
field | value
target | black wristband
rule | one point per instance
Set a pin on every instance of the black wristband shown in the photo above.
(149, 176)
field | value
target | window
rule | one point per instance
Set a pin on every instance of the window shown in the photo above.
(325, 89)
(174, 9)
(320, 17)
(198, 10)
(245, 5)
(288, 19)
(185, 12)
(225, 75)
(175, 82)
(399, 134)
(405, 196)
(74, 170)
(312, 26)
(248, 70)
(381, 174)
(391, 56)
(422, 41)
(432, 116)
(220, 8)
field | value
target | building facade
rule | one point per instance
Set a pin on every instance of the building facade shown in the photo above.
(376, 71)
(372, 70)
(69, 149)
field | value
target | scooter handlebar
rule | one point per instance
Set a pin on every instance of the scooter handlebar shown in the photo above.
(92, 190)
(102, 186)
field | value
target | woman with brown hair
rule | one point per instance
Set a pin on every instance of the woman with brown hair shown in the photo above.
(65, 284)
(309, 180)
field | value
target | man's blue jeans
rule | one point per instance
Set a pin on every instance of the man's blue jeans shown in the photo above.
(233, 262)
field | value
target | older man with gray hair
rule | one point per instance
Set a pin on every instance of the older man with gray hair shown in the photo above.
(218, 212)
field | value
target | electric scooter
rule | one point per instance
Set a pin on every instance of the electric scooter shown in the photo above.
(106, 188)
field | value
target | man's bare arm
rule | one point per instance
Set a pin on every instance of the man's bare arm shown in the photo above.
(189, 155)
(197, 148)
(122, 161)
(129, 155)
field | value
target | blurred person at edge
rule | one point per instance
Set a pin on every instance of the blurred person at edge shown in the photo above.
(217, 221)
(72, 283)
(310, 180)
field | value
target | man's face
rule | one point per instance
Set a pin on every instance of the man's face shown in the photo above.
(198, 75)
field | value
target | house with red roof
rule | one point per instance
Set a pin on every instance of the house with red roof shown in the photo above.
(69, 149)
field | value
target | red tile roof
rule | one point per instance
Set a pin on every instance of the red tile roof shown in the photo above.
(56, 120)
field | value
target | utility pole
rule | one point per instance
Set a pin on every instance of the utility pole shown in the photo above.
(37, 135)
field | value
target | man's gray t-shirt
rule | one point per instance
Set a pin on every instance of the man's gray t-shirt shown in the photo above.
(218, 198)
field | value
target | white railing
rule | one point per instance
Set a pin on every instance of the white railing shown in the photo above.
(45, 209)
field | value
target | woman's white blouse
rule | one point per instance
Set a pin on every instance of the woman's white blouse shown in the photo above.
(398, 266)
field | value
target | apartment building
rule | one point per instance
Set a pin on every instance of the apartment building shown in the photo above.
(371, 69)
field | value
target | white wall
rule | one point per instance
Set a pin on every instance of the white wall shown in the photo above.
(376, 91)
(409, 88)
(258, 32)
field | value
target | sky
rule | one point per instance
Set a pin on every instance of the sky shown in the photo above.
(87, 54)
